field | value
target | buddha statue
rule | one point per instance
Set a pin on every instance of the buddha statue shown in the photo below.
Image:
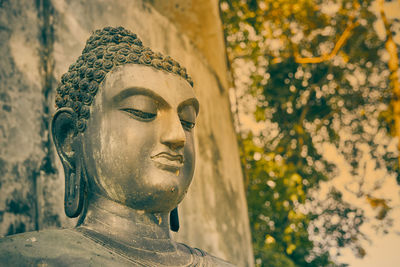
(124, 131)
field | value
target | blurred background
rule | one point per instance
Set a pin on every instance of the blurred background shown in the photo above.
(316, 103)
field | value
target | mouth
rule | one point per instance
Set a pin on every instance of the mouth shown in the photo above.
(168, 162)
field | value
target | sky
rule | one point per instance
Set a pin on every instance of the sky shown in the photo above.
(383, 250)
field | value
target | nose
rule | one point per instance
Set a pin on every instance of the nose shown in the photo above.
(173, 134)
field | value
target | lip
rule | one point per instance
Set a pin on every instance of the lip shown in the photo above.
(167, 161)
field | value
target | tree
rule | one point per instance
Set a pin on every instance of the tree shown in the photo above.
(316, 75)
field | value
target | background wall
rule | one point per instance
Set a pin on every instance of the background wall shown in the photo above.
(40, 39)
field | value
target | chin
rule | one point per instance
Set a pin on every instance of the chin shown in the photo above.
(153, 205)
(156, 198)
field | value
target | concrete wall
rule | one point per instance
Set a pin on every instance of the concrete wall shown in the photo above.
(40, 39)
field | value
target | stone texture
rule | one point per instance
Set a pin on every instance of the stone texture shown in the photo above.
(39, 42)
(22, 129)
(200, 21)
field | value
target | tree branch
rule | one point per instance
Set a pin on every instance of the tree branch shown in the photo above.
(328, 56)
(393, 65)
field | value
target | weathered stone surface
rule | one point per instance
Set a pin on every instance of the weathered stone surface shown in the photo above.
(21, 110)
(26, 172)
(200, 21)
(214, 214)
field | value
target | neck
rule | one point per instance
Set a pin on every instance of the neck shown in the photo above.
(136, 229)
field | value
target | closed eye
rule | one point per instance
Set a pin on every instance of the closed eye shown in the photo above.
(140, 115)
(188, 126)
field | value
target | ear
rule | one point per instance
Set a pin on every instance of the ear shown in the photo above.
(68, 146)
(63, 130)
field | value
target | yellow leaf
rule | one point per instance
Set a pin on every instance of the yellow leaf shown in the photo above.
(290, 249)
(269, 239)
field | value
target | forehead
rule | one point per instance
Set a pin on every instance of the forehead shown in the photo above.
(172, 88)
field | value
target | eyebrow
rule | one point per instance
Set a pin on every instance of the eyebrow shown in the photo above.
(137, 91)
(147, 92)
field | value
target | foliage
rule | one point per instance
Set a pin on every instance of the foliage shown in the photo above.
(317, 75)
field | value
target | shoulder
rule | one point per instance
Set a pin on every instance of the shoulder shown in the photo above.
(63, 247)
(202, 258)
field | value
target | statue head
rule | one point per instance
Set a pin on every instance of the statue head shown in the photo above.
(123, 128)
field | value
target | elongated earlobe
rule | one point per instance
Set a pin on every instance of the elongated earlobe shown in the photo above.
(68, 143)
(75, 187)
(174, 220)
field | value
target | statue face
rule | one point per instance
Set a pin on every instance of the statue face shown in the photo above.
(139, 142)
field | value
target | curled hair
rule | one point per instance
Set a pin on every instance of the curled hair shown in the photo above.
(104, 50)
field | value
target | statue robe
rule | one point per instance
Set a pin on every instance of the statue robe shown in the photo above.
(75, 247)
